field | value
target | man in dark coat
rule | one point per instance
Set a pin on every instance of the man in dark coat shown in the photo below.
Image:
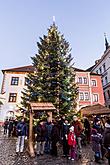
(55, 138)
(107, 139)
(40, 132)
(65, 131)
(10, 127)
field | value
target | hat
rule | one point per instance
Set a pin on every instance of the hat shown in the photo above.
(72, 128)
(75, 117)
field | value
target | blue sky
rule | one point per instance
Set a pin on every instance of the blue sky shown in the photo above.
(83, 23)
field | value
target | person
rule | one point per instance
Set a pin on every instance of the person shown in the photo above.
(97, 125)
(65, 131)
(10, 127)
(40, 133)
(107, 139)
(87, 129)
(96, 139)
(72, 143)
(60, 124)
(49, 126)
(55, 138)
(78, 129)
(21, 131)
(5, 126)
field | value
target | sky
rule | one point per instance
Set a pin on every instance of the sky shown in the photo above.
(83, 23)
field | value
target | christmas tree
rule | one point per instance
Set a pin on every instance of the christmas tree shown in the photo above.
(53, 79)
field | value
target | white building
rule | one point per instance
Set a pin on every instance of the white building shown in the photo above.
(14, 81)
(102, 66)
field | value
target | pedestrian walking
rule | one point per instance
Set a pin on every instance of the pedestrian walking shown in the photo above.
(21, 130)
(72, 143)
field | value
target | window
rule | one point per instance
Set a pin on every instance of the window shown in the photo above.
(86, 96)
(93, 83)
(95, 97)
(85, 80)
(102, 82)
(27, 81)
(100, 70)
(106, 80)
(108, 92)
(104, 68)
(12, 97)
(14, 80)
(104, 96)
(81, 96)
(80, 80)
(97, 71)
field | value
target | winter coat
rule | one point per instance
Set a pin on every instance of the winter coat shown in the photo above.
(48, 126)
(6, 124)
(21, 129)
(96, 139)
(65, 130)
(107, 136)
(10, 125)
(71, 139)
(40, 130)
(55, 134)
(78, 129)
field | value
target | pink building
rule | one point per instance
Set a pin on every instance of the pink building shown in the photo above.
(90, 88)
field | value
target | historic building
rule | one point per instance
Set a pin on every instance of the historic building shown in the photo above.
(102, 67)
(14, 81)
(90, 88)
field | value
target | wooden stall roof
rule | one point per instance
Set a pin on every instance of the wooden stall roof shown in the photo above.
(97, 109)
(42, 106)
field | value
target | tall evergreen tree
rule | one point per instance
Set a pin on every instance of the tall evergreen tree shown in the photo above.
(53, 79)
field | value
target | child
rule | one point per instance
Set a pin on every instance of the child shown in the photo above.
(96, 139)
(72, 143)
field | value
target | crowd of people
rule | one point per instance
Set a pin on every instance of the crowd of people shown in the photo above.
(72, 135)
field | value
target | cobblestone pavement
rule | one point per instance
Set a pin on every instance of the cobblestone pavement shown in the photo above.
(9, 157)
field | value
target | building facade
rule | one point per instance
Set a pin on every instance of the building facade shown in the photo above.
(14, 81)
(90, 88)
(102, 67)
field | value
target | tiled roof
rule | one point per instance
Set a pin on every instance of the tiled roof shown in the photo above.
(28, 68)
(31, 68)
(42, 106)
(96, 109)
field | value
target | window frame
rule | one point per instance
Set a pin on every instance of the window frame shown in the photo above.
(14, 80)
(94, 83)
(86, 97)
(80, 81)
(12, 97)
(81, 96)
(95, 99)
(85, 78)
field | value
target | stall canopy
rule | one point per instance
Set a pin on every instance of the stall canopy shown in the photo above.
(96, 109)
(42, 107)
